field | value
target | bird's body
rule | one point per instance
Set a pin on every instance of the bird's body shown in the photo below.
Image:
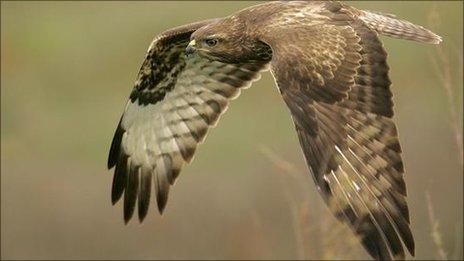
(330, 67)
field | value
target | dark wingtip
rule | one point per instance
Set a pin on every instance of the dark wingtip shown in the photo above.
(144, 193)
(162, 187)
(161, 204)
(119, 179)
(143, 206)
(411, 247)
(127, 215)
(130, 192)
(114, 199)
(115, 146)
(110, 164)
(371, 248)
(142, 215)
(116, 191)
(126, 220)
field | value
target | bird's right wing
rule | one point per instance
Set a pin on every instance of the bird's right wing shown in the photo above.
(173, 104)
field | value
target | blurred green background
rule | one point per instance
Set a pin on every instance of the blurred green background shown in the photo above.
(67, 69)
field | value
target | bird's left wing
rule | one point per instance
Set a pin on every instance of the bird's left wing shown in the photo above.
(331, 71)
(174, 103)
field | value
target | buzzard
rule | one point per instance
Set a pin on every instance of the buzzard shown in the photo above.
(331, 70)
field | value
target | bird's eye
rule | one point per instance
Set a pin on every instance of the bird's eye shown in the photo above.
(211, 42)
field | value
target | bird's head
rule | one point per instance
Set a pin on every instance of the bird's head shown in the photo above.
(223, 42)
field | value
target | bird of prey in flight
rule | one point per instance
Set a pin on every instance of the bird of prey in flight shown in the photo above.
(331, 70)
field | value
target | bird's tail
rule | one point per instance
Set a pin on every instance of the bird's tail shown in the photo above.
(387, 24)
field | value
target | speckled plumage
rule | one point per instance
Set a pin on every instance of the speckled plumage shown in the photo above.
(331, 69)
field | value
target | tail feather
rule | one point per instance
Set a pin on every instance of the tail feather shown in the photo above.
(393, 27)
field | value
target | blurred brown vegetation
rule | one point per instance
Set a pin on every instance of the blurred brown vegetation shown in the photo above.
(67, 69)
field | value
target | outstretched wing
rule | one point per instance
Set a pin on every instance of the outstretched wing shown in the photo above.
(332, 73)
(174, 103)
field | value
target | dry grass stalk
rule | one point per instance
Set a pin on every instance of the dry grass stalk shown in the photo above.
(332, 240)
(435, 232)
(457, 253)
(443, 67)
(279, 162)
(289, 170)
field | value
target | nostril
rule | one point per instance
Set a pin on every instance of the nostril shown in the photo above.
(189, 50)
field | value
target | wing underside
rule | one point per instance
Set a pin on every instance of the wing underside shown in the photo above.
(174, 102)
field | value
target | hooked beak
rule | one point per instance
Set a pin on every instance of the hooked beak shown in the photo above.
(190, 48)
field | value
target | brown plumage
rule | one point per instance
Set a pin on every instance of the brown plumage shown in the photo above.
(331, 69)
